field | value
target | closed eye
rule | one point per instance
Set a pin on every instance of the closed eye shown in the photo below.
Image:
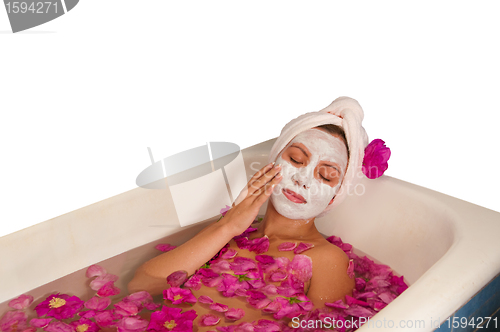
(295, 161)
(324, 178)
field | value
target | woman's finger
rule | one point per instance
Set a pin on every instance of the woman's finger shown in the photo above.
(251, 186)
(266, 191)
(261, 181)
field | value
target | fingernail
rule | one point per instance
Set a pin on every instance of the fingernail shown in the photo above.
(278, 166)
(279, 175)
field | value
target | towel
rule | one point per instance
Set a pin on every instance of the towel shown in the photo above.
(346, 113)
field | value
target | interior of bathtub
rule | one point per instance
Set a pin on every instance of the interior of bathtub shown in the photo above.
(423, 235)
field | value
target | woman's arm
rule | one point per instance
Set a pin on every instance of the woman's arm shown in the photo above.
(151, 276)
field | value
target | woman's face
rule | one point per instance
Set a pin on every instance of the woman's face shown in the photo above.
(313, 166)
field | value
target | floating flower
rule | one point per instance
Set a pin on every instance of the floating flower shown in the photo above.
(131, 324)
(13, 321)
(171, 319)
(209, 320)
(95, 271)
(302, 247)
(21, 302)
(177, 278)
(179, 295)
(165, 247)
(234, 314)
(287, 246)
(375, 159)
(84, 325)
(60, 306)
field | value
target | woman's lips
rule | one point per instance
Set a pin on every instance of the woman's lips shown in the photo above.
(293, 196)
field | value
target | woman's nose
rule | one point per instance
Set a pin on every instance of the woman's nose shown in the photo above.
(302, 179)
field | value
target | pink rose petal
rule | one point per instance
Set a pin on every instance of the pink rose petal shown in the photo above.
(234, 314)
(209, 320)
(95, 271)
(165, 247)
(177, 278)
(219, 307)
(287, 246)
(21, 302)
(302, 247)
(350, 269)
(205, 299)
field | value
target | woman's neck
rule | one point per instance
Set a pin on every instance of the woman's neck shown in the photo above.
(274, 225)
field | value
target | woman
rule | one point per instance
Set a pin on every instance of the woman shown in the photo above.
(312, 167)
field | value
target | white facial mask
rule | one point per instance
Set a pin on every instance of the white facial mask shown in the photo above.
(301, 181)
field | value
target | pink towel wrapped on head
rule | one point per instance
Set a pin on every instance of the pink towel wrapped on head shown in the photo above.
(346, 113)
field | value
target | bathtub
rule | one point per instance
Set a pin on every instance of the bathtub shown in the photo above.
(446, 248)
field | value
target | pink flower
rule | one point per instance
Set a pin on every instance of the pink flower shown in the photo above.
(171, 319)
(13, 321)
(131, 324)
(302, 247)
(375, 159)
(287, 246)
(179, 295)
(209, 320)
(165, 247)
(224, 210)
(234, 314)
(56, 326)
(60, 306)
(21, 302)
(177, 278)
(104, 319)
(84, 325)
(95, 271)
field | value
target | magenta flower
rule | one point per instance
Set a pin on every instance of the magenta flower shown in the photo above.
(95, 271)
(171, 319)
(131, 324)
(57, 326)
(234, 314)
(179, 295)
(287, 246)
(177, 278)
(302, 247)
(194, 282)
(21, 302)
(84, 325)
(375, 159)
(209, 320)
(60, 306)
(13, 321)
(165, 247)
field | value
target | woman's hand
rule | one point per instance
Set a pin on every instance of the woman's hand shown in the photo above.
(247, 205)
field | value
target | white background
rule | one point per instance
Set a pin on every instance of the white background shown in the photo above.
(83, 96)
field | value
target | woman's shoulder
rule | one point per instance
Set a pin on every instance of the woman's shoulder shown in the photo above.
(327, 252)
